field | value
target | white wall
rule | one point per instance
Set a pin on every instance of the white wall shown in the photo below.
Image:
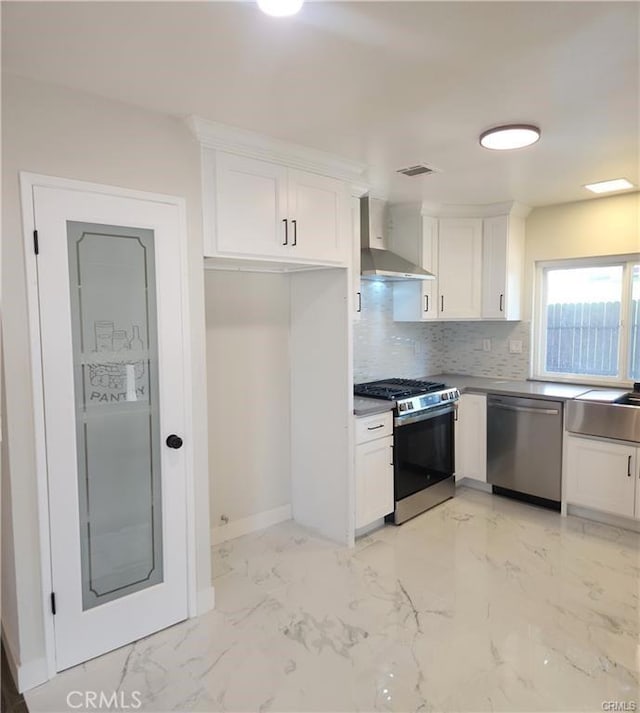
(600, 226)
(248, 382)
(57, 131)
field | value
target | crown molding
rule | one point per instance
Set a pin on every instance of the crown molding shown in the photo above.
(214, 135)
(488, 210)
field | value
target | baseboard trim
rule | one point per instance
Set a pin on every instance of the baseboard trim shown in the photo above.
(11, 659)
(252, 523)
(603, 518)
(366, 529)
(473, 483)
(26, 676)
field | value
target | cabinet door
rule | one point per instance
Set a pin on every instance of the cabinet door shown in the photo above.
(637, 512)
(494, 266)
(471, 437)
(600, 475)
(320, 217)
(356, 288)
(417, 300)
(374, 480)
(459, 268)
(502, 267)
(251, 200)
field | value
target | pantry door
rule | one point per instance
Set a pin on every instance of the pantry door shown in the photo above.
(113, 367)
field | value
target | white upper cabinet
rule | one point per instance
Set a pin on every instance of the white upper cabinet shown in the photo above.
(460, 268)
(415, 238)
(261, 209)
(319, 212)
(250, 207)
(478, 263)
(502, 267)
(356, 287)
(269, 201)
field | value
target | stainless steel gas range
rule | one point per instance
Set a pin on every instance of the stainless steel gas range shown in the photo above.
(423, 430)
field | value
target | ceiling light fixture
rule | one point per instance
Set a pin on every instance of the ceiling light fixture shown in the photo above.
(615, 184)
(509, 136)
(280, 8)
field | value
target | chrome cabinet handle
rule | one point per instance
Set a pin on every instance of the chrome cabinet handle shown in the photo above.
(359, 301)
(426, 303)
(629, 466)
(286, 231)
(442, 303)
(375, 428)
(295, 232)
(502, 303)
(391, 455)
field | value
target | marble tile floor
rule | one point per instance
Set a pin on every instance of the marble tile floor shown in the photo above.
(482, 604)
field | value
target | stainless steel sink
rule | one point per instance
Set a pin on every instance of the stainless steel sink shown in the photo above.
(610, 414)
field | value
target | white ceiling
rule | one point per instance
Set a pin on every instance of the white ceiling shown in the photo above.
(387, 83)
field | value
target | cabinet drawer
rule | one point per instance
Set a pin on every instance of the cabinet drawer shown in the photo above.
(368, 428)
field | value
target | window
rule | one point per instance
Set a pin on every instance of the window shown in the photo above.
(588, 324)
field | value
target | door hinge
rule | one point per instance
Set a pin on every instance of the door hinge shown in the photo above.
(36, 246)
(53, 603)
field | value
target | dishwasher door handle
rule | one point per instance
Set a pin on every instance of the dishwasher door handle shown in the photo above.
(525, 409)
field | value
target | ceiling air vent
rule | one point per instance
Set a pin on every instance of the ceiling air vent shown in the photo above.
(420, 169)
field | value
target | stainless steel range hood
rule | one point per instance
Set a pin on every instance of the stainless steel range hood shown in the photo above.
(376, 262)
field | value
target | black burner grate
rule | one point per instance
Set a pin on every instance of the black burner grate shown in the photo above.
(393, 389)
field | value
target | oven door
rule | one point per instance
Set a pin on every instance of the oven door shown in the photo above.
(423, 450)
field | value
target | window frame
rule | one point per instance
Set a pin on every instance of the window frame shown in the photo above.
(539, 322)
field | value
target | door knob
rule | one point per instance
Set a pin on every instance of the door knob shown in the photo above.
(174, 441)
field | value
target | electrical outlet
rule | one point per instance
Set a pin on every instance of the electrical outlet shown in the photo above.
(486, 345)
(515, 346)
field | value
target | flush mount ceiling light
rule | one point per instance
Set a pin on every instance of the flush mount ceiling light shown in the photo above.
(280, 8)
(616, 184)
(509, 136)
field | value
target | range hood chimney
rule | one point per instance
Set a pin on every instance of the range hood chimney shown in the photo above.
(376, 262)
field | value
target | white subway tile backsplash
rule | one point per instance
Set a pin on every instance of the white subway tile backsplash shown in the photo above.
(384, 348)
(465, 354)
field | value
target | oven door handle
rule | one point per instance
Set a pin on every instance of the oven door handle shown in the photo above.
(400, 421)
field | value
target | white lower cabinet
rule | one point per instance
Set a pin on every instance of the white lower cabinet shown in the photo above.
(603, 475)
(373, 468)
(471, 437)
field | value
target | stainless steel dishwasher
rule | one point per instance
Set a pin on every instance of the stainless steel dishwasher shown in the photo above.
(524, 448)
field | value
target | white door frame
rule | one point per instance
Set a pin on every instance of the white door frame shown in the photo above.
(27, 182)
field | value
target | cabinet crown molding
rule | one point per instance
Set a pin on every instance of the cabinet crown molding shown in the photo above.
(488, 210)
(214, 135)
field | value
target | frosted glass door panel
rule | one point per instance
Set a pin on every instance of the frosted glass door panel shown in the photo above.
(115, 348)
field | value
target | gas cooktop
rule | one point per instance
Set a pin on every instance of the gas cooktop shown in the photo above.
(394, 389)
